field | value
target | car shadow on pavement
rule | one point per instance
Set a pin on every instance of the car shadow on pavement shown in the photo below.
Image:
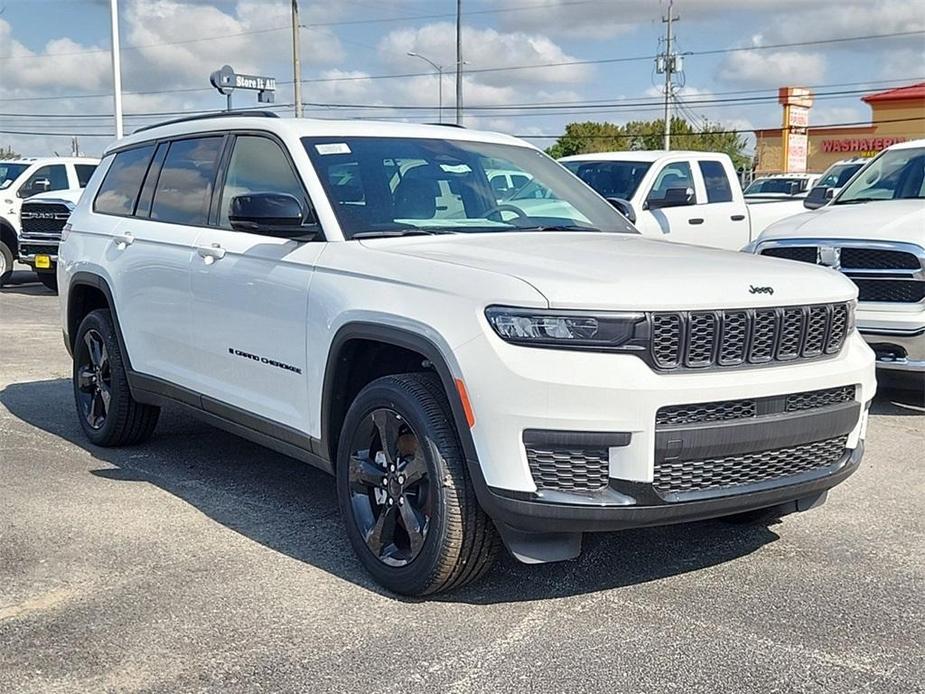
(291, 508)
(24, 282)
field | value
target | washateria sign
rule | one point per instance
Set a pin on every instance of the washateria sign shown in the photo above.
(860, 145)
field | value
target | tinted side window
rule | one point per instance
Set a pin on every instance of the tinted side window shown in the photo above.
(46, 178)
(675, 175)
(257, 164)
(119, 189)
(716, 181)
(184, 189)
(84, 171)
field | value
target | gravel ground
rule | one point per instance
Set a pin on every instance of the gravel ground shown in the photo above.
(201, 562)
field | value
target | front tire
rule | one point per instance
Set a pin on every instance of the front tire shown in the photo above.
(405, 495)
(6, 263)
(107, 412)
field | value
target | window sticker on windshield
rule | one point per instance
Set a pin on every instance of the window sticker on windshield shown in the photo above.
(333, 148)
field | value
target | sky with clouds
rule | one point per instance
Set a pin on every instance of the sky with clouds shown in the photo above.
(595, 57)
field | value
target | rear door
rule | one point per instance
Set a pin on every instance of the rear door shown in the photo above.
(250, 295)
(153, 247)
(725, 218)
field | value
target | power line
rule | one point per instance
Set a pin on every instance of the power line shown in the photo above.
(534, 136)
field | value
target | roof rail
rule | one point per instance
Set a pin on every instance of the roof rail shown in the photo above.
(206, 116)
(448, 125)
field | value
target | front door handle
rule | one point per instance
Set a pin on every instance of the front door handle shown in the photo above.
(737, 217)
(124, 241)
(695, 220)
(210, 254)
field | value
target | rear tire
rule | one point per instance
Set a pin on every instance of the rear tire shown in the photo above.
(107, 412)
(50, 280)
(457, 542)
(6, 263)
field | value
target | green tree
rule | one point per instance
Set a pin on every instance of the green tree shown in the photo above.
(588, 136)
(582, 138)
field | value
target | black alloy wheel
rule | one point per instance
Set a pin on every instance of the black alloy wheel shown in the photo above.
(390, 488)
(94, 379)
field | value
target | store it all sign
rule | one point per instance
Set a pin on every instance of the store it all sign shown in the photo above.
(860, 145)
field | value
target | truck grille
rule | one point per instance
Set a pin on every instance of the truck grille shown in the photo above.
(726, 410)
(44, 217)
(702, 339)
(748, 468)
(569, 469)
(881, 274)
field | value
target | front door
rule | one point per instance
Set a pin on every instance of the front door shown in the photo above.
(250, 296)
(669, 215)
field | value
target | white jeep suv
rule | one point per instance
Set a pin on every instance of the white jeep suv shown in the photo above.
(354, 295)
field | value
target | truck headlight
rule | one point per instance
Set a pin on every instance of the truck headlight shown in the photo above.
(569, 329)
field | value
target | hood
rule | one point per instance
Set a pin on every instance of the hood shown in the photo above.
(71, 195)
(886, 220)
(627, 272)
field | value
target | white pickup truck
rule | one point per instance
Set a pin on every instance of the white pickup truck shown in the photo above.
(691, 197)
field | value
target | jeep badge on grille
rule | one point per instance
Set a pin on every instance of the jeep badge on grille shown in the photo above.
(752, 289)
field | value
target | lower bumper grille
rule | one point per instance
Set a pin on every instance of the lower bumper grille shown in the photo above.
(748, 468)
(36, 248)
(569, 470)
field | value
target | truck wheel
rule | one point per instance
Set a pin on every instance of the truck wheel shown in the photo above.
(107, 412)
(6, 263)
(50, 280)
(404, 491)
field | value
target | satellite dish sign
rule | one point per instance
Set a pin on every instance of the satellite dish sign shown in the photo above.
(225, 80)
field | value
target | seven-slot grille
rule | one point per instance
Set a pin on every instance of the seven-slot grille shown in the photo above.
(700, 339)
(678, 476)
(44, 217)
(881, 274)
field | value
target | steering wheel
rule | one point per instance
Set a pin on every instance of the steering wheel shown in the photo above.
(504, 207)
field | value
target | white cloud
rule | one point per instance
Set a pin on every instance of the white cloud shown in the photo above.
(769, 68)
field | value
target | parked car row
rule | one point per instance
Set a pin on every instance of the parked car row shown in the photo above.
(37, 195)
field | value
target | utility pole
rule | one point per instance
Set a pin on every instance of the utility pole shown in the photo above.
(459, 64)
(116, 68)
(296, 60)
(75, 147)
(666, 62)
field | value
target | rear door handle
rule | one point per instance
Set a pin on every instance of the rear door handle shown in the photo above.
(210, 254)
(695, 220)
(124, 241)
(737, 217)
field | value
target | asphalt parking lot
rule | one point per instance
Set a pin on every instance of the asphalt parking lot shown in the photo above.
(201, 562)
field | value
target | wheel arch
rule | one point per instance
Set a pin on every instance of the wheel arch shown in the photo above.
(336, 391)
(87, 292)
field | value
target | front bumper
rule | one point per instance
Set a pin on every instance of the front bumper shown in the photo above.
(896, 334)
(29, 249)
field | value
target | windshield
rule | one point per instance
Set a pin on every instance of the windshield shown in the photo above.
(787, 186)
(897, 174)
(838, 175)
(612, 179)
(9, 172)
(392, 186)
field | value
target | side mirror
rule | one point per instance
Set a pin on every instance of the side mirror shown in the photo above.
(36, 186)
(674, 197)
(270, 214)
(624, 207)
(818, 197)
(793, 188)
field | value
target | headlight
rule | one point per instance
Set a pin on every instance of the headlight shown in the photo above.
(569, 329)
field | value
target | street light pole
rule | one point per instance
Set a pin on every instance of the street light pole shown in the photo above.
(296, 60)
(116, 68)
(439, 69)
(459, 64)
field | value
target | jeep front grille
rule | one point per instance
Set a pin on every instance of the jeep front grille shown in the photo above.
(701, 339)
(716, 474)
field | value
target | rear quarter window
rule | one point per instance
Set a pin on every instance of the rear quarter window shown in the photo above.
(716, 181)
(119, 190)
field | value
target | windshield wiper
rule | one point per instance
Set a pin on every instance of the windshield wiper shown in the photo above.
(856, 201)
(386, 233)
(556, 227)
